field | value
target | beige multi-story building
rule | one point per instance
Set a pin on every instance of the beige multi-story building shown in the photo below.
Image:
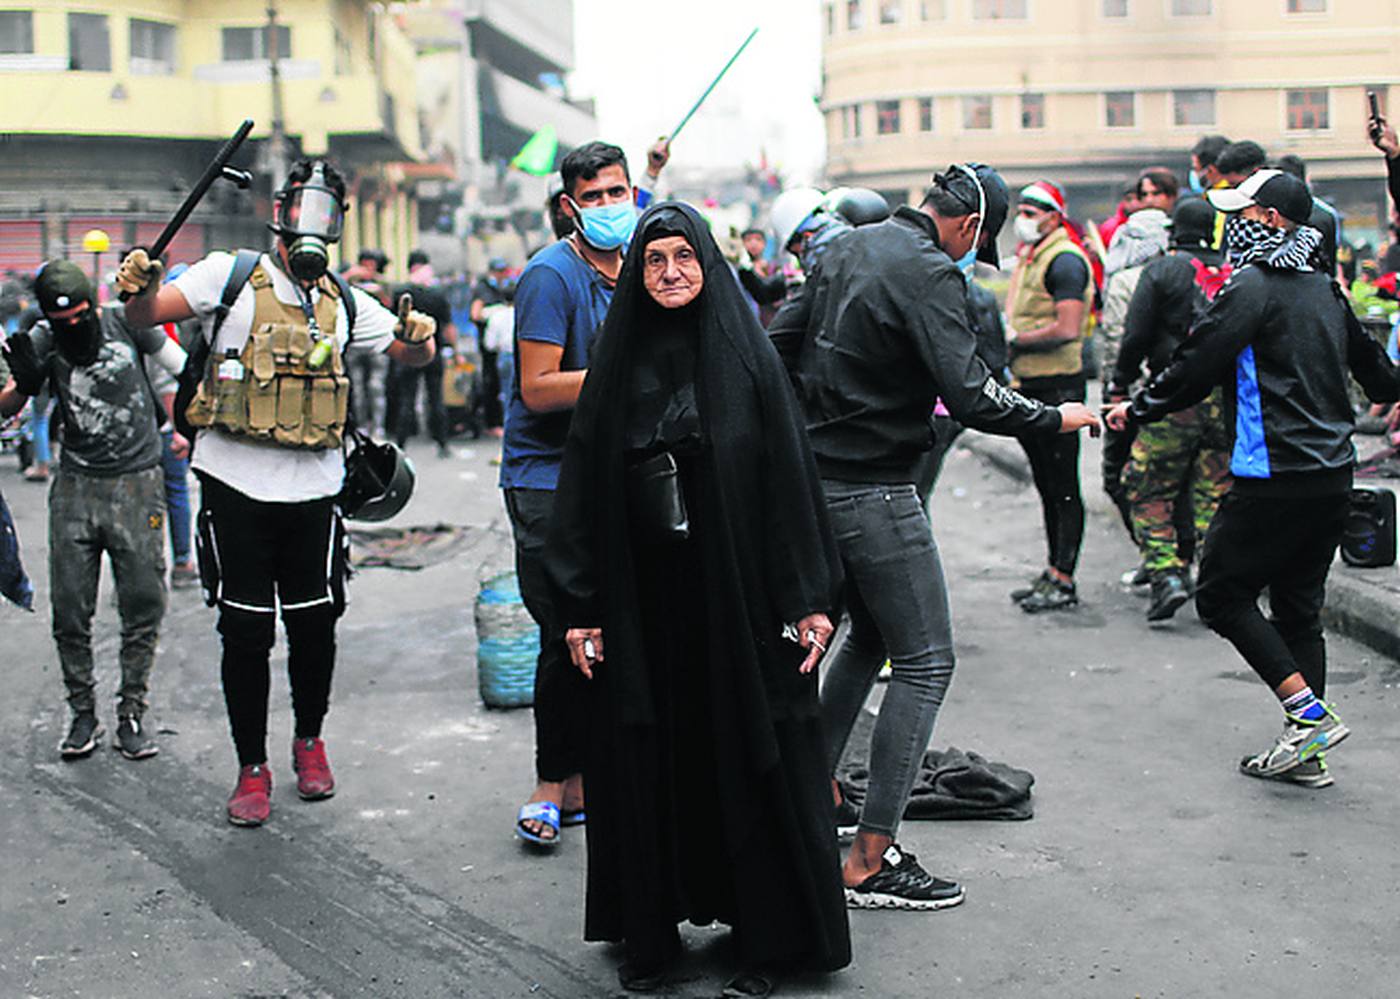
(1087, 92)
(112, 109)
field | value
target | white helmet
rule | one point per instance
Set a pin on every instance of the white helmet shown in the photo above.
(790, 209)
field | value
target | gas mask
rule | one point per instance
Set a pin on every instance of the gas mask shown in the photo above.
(309, 217)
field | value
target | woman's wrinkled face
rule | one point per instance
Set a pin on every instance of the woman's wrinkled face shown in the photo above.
(671, 271)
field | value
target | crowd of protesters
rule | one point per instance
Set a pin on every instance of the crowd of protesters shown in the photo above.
(698, 432)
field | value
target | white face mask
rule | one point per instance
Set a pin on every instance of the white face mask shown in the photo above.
(1027, 230)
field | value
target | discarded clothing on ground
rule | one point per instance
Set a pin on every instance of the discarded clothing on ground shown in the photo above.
(14, 584)
(406, 547)
(952, 784)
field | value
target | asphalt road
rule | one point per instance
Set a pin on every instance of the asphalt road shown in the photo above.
(1150, 869)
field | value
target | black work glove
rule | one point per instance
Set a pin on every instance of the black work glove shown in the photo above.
(24, 364)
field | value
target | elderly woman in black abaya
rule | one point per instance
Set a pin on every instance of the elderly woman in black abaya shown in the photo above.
(689, 544)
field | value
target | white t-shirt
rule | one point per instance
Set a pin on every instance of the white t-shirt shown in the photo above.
(259, 469)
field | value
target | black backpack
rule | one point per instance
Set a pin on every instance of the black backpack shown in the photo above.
(1368, 539)
(243, 266)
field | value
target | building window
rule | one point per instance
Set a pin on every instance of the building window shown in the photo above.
(1307, 6)
(933, 10)
(249, 44)
(999, 10)
(1190, 8)
(1120, 109)
(925, 114)
(1307, 110)
(829, 16)
(16, 32)
(891, 11)
(977, 112)
(1193, 107)
(855, 17)
(1032, 110)
(887, 117)
(1115, 8)
(152, 48)
(89, 46)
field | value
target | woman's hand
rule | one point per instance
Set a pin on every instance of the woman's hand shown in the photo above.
(813, 634)
(585, 648)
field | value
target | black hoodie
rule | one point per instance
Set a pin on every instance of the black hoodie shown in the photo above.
(887, 333)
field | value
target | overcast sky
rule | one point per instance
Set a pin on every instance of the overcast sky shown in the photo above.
(646, 61)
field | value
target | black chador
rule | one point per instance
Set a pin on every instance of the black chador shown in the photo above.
(707, 794)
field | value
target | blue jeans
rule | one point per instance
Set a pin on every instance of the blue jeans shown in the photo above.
(177, 499)
(897, 601)
(39, 428)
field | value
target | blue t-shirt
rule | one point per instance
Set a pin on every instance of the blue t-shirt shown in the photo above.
(559, 300)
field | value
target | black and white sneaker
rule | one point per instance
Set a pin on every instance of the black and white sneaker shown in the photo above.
(901, 883)
(132, 741)
(82, 736)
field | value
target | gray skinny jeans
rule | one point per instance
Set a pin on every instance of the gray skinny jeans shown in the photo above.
(897, 601)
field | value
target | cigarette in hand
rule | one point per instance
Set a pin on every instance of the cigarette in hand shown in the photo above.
(590, 651)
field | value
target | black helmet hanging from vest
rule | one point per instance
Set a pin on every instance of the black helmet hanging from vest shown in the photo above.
(308, 214)
(379, 480)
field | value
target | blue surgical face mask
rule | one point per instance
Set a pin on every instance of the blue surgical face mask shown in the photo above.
(1193, 180)
(607, 227)
(967, 262)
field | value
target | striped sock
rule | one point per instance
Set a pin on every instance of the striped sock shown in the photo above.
(1305, 705)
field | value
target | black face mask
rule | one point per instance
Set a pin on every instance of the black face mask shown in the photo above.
(78, 339)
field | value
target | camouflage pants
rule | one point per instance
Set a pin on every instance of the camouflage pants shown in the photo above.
(124, 516)
(1189, 446)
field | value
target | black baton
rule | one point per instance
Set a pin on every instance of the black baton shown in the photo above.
(217, 168)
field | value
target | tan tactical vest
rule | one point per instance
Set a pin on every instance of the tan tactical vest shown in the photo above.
(268, 392)
(1031, 307)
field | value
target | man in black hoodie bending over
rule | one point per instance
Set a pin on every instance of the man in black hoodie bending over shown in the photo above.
(1281, 338)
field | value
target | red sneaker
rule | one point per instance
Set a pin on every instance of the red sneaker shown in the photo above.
(314, 780)
(251, 801)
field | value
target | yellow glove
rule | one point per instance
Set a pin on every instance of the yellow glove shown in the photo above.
(413, 326)
(139, 274)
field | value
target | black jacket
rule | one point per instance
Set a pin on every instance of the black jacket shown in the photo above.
(1281, 342)
(1165, 303)
(882, 327)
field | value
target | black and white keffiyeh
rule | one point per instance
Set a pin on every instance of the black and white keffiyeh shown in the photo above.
(1249, 242)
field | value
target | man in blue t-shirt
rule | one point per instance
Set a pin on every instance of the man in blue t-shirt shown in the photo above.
(560, 302)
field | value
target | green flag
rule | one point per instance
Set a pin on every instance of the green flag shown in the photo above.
(536, 157)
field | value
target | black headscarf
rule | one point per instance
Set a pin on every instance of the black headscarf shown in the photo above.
(769, 536)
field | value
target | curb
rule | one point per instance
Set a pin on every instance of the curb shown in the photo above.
(1363, 610)
(1002, 453)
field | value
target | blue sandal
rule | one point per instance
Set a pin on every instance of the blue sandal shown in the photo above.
(573, 817)
(546, 812)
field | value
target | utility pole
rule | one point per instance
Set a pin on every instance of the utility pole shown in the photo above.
(276, 159)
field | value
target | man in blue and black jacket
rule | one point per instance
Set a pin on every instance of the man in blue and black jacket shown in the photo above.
(1281, 339)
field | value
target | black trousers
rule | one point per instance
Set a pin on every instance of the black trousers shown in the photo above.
(1054, 461)
(560, 689)
(1286, 544)
(256, 557)
(406, 398)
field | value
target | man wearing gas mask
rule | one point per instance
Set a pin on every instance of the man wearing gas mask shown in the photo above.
(271, 413)
(109, 495)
